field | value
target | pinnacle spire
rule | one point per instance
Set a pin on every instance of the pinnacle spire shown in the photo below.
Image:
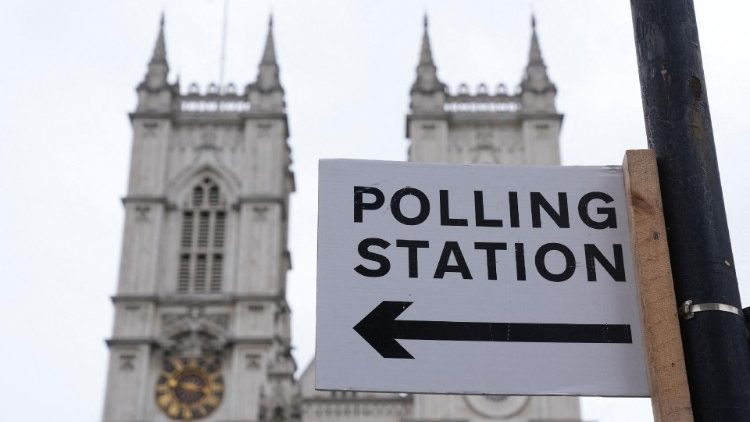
(159, 55)
(158, 68)
(268, 70)
(425, 53)
(536, 82)
(535, 52)
(427, 80)
(269, 52)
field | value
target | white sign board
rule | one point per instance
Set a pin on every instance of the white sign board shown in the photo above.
(476, 279)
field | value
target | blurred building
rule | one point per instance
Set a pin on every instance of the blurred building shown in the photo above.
(201, 325)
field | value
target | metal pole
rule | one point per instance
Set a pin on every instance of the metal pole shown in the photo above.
(678, 126)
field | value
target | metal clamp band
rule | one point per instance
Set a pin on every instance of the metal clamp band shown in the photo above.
(688, 309)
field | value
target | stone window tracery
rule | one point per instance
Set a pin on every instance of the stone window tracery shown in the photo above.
(202, 240)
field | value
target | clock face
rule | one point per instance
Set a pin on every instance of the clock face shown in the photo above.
(501, 407)
(189, 388)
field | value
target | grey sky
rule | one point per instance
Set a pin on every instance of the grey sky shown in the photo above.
(69, 73)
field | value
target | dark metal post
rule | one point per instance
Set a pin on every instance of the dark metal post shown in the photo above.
(678, 126)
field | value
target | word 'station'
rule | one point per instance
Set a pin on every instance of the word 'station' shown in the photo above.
(476, 279)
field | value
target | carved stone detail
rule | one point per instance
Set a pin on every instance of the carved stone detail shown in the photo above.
(252, 361)
(279, 405)
(127, 362)
(260, 212)
(283, 362)
(142, 212)
(194, 333)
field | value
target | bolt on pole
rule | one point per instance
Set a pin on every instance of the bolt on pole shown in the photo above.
(678, 127)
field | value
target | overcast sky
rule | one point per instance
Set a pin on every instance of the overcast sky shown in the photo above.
(69, 72)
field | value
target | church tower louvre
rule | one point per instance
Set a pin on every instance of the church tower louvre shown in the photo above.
(201, 328)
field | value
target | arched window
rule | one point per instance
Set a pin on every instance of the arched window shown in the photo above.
(202, 240)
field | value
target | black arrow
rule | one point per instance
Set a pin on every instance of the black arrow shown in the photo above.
(381, 329)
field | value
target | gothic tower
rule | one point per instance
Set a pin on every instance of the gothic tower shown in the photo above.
(201, 328)
(518, 128)
(502, 127)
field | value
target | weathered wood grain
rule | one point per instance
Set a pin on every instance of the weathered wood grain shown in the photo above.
(670, 396)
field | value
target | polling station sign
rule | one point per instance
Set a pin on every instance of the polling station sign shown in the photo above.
(476, 279)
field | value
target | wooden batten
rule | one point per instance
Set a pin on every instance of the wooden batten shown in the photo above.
(670, 395)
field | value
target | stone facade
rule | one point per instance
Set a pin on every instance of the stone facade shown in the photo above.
(518, 128)
(201, 320)
(501, 127)
(201, 325)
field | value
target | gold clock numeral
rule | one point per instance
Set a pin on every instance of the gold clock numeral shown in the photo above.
(164, 400)
(202, 410)
(173, 410)
(211, 400)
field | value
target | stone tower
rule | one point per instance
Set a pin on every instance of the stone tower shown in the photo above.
(201, 328)
(516, 128)
(500, 127)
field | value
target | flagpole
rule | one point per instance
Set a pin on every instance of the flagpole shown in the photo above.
(222, 59)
